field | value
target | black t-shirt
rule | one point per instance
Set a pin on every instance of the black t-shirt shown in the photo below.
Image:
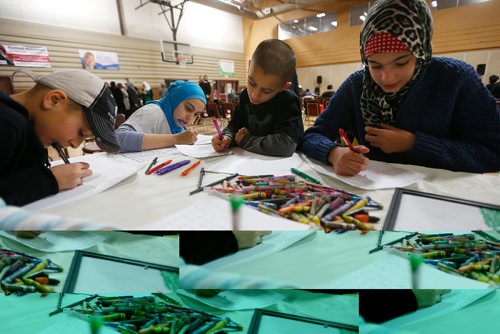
(275, 127)
(205, 86)
(24, 176)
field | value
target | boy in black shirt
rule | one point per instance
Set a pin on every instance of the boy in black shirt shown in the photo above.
(268, 118)
(62, 108)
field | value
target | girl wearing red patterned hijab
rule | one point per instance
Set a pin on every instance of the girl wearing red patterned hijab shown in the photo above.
(407, 106)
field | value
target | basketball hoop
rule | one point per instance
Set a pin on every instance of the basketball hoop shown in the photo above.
(174, 52)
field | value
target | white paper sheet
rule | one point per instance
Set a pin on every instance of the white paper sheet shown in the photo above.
(13, 218)
(214, 213)
(203, 140)
(234, 300)
(451, 302)
(107, 169)
(98, 275)
(271, 244)
(57, 241)
(148, 156)
(248, 163)
(200, 151)
(417, 212)
(379, 175)
(391, 271)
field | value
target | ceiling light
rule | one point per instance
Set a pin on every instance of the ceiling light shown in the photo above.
(333, 23)
(312, 28)
(434, 4)
(320, 15)
(362, 18)
(295, 21)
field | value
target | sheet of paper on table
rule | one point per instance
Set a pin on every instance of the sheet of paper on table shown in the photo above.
(107, 170)
(450, 302)
(57, 241)
(379, 175)
(392, 271)
(214, 213)
(273, 243)
(248, 163)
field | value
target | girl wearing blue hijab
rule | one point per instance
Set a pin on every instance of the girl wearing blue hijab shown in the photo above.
(161, 123)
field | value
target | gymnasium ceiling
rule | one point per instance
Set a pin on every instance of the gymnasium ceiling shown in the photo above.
(258, 9)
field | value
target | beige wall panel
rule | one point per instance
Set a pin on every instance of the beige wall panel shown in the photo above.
(139, 59)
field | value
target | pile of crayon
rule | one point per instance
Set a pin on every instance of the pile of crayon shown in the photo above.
(142, 315)
(305, 202)
(465, 255)
(21, 273)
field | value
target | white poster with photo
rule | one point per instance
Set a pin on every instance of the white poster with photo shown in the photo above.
(22, 55)
(99, 60)
(226, 67)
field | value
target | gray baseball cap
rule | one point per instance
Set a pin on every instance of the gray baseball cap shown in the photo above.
(94, 95)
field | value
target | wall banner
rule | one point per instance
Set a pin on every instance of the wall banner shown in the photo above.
(225, 67)
(99, 60)
(22, 55)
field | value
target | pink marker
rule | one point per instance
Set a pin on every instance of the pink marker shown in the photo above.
(217, 127)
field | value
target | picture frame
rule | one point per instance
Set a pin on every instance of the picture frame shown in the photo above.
(266, 321)
(97, 273)
(412, 210)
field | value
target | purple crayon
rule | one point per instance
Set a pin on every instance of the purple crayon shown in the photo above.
(170, 168)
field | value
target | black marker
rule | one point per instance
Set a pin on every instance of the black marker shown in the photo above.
(61, 152)
(151, 165)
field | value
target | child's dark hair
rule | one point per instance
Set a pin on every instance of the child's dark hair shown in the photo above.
(275, 57)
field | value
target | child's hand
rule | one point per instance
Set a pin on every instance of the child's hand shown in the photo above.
(69, 176)
(207, 293)
(28, 234)
(428, 297)
(390, 139)
(186, 137)
(348, 163)
(247, 239)
(240, 135)
(220, 145)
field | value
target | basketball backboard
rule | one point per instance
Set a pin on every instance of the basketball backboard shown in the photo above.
(175, 52)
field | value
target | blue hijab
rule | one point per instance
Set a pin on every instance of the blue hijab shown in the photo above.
(177, 92)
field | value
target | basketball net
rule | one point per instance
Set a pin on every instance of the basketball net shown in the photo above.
(181, 60)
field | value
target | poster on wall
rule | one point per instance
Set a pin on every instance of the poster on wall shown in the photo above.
(22, 55)
(99, 60)
(225, 67)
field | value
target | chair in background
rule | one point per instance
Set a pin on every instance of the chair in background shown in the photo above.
(222, 98)
(227, 110)
(312, 110)
(90, 146)
(213, 109)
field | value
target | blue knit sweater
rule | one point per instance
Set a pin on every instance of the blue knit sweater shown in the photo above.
(454, 117)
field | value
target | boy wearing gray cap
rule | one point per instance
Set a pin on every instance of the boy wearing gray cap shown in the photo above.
(62, 109)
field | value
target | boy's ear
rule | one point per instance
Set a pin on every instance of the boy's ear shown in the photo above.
(54, 98)
(286, 86)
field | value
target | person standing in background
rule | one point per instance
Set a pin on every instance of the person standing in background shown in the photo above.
(117, 94)
(206, 87)
(147, 93)
(133, 95)
(126, 100)
(493, 80)
(163, 89)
